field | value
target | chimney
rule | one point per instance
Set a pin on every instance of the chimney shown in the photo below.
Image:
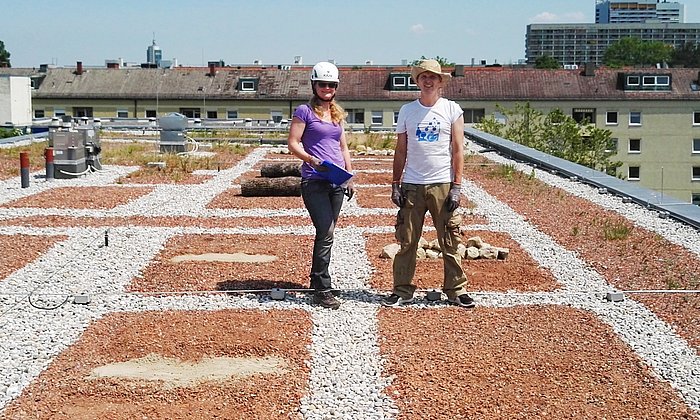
(459, 70)
(589, 69)
(212, 70)
(79, 68)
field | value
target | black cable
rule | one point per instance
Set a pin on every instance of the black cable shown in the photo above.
(47, 308)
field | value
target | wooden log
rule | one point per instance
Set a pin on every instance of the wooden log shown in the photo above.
(280, 169)
(288, 186)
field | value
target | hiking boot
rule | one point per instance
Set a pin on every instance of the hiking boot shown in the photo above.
(326, 299)
(462, 300)
(395, 300)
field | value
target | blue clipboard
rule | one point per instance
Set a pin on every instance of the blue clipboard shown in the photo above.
(334, 173)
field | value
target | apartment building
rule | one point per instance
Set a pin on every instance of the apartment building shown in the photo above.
(579, 43)
(654, 114)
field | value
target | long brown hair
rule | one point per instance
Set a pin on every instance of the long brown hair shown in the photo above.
(338, 114)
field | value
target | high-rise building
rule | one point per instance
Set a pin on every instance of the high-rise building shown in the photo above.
(578, 43)
(639, 11)
(154, 54)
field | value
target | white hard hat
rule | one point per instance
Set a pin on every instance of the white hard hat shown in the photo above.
(325, 71)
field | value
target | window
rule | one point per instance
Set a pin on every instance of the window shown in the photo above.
(500, 117)
(658, 80)
(647, 82)
(635, 146)
(581, 115)
(635, 118)
(696, 173)
(396, 117)
(474, 115)
(633, 173)
(399, 81)
(212, 115)
(356, 116)
(232, 114)
(633, 80)
(191, 112)
(611, 118)
(276, 116)
(696, 145)
(151, 113)
(39, 113)
(80, 112)
(377, 118)
(696, 118)
(248, 85)
(122, 113)
(695, 199)
(612, 146)
(59, 112)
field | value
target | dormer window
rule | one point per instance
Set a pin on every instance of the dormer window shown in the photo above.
(401, 81)
(646, 82)
(248, 84)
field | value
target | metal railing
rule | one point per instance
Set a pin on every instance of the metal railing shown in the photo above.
(666, 206)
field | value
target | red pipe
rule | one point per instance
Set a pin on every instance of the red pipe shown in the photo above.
(48, 155)
(24, 169)
(24, 160)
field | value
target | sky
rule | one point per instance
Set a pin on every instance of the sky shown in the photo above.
(351, 32)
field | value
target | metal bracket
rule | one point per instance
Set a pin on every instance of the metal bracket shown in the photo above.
(81, 299)
(614, 297)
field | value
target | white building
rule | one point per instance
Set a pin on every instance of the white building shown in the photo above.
(15, 101)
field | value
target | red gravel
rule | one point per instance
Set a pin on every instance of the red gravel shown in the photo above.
(65, 391)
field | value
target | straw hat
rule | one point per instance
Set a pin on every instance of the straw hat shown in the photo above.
(432, 66)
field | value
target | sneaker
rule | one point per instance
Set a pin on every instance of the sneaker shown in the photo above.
(326, 299)
(395, 300)
(463, 300)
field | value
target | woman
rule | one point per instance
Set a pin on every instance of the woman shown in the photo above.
(316, 135)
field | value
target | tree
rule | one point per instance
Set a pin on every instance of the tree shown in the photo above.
(442, 60)
(633, 51)
(4, 56)
(555, 133)
(686, 56)
(547, 62)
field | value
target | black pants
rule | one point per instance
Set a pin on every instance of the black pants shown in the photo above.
(323, 201)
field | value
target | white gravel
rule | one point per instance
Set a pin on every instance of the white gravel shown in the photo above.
(346, 370)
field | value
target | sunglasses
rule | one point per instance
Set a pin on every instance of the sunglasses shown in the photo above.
(332, 85)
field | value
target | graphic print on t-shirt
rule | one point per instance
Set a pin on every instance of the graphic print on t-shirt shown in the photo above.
(428, 132)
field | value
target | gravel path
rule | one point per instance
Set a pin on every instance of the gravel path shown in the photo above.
(346, 379)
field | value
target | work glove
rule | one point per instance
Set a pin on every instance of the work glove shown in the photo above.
(397, 196)
(453, 197)
(349, 191)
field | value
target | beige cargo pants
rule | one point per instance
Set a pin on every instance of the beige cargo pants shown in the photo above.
(409, 228)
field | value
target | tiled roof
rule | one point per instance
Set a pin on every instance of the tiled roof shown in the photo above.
(477, 83)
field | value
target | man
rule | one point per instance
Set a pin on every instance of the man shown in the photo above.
(427, 176)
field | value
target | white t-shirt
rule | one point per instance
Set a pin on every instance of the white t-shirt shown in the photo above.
(429, 148)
